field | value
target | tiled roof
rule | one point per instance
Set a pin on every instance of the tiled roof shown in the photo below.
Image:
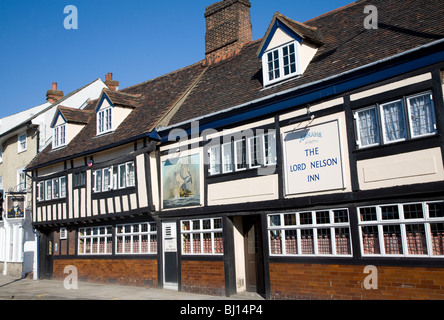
(73, 115)
(196, 90)
(151, 100)
(403, 25)
(123, 99)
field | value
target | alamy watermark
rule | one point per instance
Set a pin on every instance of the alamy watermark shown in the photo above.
(71, 280)
(371, 21)
(72, 19)
(371, 281)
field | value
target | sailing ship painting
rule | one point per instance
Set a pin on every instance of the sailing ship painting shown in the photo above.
(181, 182)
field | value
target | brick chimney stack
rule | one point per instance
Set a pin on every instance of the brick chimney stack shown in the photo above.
(54, 95)
(110, 83)
(228, 24)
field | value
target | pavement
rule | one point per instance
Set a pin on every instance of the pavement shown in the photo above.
(27, 289)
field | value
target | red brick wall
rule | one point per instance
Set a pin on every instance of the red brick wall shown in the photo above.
(311, 281)
(125, 272)
(206, 277)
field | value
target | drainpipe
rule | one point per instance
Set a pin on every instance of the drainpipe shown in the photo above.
(38, 135)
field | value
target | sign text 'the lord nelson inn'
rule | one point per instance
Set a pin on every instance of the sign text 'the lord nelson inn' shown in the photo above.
(313, 160)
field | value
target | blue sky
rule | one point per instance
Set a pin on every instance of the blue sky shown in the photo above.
(136, 40)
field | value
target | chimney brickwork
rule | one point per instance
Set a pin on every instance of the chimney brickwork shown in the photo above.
(110, 83)
(228, 25)
(54, 95)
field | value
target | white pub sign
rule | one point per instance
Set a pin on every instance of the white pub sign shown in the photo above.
(313, 160)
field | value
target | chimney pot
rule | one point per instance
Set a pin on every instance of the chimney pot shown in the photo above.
(110, 83)
(54, 95)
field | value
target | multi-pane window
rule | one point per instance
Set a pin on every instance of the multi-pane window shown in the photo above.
(273, 65)
(227, 157)
(95, 240)
(137, 238)
(59, 136)
(280, 63)
(397, 120)
(324, 232)
(79, 179)
(105, 120)
(246, 153)
(114, 177)
(240, 154)
(409, 229)
(202, 236)
(214, 159)
(52, 189)
(22, 142)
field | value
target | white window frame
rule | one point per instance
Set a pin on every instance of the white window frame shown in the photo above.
(48, 193)
(383, 122)
(150, 233)
(358, 128)
(408, 124)
(59, 136)
(255, 155)
(93, 235)
(300, 227)
(227, 159)
(22, 144)
(236, 163)
(401, 221)
(105, 121)
(280, 53)
(214, 152)
(41, 191)
(21, 179)
(410, 116)
(115, 177)
(189, 230)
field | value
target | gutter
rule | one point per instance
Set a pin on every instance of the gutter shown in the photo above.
(282, 93)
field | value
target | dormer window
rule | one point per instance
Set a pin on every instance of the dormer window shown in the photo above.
(59, 136)
(105, 121)
(281, 62)
(287, 49)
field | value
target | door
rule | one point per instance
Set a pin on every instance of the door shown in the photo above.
(170, 265)
(46, 244)
(254, 270)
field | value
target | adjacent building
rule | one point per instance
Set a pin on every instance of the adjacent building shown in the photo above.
(284, 166)
(22, 137)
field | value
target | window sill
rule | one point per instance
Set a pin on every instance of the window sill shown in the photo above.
(382, 150)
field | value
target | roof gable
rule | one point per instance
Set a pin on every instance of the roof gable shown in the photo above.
(292, 29)
(70, 115)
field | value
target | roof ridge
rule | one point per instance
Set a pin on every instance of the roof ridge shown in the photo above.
(164, 75)
(335, 10)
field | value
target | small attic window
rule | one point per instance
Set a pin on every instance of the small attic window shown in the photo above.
(281, 62)
(59, 136)
(105, 120)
